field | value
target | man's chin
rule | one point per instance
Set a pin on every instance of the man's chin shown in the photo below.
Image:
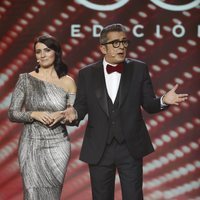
(121, 60)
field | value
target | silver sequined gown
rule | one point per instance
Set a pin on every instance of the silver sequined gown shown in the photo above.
(43, 152)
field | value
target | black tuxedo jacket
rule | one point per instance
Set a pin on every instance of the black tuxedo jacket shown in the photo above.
(135, 91)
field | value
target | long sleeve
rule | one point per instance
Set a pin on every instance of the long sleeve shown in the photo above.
(16, 112)
(150, 102)
(71, 99)
(80, 103)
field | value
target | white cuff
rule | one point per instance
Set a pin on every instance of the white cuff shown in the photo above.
(162, 104)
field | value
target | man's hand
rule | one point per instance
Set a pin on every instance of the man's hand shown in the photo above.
(172, 98)
(69, 114)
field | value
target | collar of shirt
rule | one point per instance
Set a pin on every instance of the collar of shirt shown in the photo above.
(112, 81)
(105, 63)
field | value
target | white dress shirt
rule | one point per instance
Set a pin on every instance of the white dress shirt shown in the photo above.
(112, 81)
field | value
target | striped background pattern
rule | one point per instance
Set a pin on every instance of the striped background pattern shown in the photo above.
(172, 172)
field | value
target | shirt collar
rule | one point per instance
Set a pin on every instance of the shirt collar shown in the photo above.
(105, 63)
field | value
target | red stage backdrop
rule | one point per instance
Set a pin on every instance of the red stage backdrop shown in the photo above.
(164, 34)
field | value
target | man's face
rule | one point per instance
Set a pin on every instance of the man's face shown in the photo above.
(114, 55)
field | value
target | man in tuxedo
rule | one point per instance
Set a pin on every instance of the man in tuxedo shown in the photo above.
(112, 92)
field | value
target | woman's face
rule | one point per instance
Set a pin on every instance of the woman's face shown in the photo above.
(44, 55)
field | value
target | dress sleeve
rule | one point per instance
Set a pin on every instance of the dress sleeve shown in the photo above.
(71, 99)
(16, 112)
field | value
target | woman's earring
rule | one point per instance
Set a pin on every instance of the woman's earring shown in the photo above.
(37, 67)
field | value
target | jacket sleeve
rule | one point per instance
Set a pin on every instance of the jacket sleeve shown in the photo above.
(150, 102)
(80, 102)
(16, 112)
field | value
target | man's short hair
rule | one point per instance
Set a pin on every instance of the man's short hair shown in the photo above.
(110, 28)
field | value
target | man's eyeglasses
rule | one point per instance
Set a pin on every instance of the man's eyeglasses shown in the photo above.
(116, 43)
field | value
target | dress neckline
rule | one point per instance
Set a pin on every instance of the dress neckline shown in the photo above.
(46, 82)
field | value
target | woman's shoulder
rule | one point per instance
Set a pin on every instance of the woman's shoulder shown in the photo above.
(22, 76)
(69, 83)
(67, 78)
(26, 74)
(21, 79)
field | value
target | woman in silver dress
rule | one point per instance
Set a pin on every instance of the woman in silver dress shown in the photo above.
(38, 101)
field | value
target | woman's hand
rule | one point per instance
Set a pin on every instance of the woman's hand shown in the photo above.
(43, 117)
(57, 117)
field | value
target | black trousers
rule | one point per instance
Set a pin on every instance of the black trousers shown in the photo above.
(117, 157)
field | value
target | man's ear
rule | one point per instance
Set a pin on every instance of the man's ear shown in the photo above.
(103, 49)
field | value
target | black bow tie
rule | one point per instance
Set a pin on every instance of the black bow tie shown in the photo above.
(118, 68)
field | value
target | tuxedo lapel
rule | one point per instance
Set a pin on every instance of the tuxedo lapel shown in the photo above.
(100, 87)
(125, 82)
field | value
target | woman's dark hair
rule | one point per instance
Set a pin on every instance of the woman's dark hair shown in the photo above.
(60, 67)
